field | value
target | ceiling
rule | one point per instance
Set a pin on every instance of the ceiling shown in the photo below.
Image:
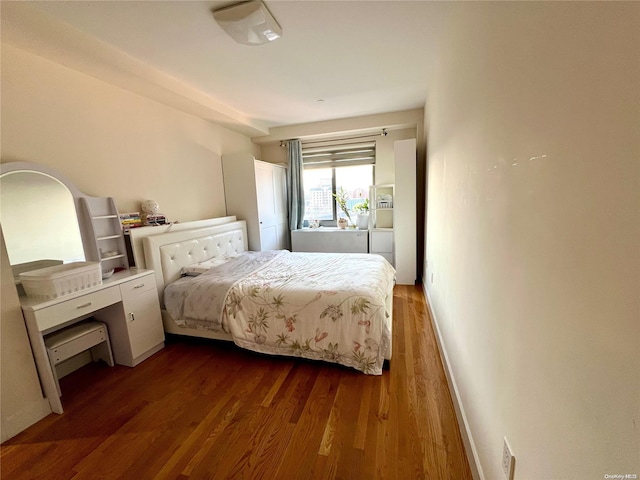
(335, 59)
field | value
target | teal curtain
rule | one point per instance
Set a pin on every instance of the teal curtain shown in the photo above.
(295, 185)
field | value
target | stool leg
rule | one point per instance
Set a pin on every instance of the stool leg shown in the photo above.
(54, 370)
(109, 361)
(102, 351)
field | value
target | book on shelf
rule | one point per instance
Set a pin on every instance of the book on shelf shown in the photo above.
(130, 220)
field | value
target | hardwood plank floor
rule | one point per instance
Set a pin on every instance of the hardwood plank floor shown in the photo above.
(208, 410)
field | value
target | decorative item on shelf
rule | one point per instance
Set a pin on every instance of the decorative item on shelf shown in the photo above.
(150, 214)
(106, 273)
(341, 199)
(154, 220)
(362, 210)
(342, 223)
(384, 200)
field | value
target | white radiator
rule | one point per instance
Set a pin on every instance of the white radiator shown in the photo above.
(330, 240)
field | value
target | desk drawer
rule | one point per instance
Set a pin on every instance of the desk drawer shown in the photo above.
(139, 285)
(86, 304)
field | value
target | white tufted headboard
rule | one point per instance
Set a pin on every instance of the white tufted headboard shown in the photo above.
(137, 235)
(167, 253)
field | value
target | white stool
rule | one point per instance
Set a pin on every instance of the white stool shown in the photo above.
(73, 340)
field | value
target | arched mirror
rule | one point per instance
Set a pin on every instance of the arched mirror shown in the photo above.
(38, 217)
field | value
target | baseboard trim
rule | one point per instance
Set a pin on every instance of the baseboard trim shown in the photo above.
(465, 431)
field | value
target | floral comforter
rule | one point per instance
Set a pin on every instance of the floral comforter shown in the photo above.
(314, 305)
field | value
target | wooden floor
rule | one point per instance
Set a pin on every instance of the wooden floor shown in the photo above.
(203, 409)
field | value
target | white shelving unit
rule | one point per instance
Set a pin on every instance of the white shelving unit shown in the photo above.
(405, 239)
(101, 217)
(392, 221)
(381, 221)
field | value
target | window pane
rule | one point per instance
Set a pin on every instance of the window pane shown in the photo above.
(317, 194)
(355, 181)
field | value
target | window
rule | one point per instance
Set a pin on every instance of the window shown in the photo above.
(330, 168)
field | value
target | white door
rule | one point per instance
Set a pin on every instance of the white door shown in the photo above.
(267, 216)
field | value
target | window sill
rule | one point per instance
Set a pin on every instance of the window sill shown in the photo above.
(329, 229)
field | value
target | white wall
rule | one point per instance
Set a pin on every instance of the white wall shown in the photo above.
(111, 142)
(533, 231)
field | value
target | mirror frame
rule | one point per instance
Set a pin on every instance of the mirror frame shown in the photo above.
(86, 232)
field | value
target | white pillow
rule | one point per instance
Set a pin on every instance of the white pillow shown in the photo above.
(197, 268)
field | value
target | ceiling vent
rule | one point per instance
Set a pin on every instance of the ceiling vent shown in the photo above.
(249, 23)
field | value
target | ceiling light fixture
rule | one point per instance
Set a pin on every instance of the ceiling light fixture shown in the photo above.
(249, 23)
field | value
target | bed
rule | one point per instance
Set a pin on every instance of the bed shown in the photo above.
(321, 306)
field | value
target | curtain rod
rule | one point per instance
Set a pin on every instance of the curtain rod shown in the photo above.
(372, 135)
(383, 134)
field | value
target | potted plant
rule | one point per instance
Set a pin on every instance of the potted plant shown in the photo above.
(362, 209)
(341, 199)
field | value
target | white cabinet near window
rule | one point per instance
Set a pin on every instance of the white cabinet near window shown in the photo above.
(382, 244)
(329, 240)
(256, 191)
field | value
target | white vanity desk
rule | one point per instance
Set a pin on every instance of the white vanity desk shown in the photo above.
(127, 302)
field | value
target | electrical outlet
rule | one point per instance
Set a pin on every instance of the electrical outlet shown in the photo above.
(508, 460)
